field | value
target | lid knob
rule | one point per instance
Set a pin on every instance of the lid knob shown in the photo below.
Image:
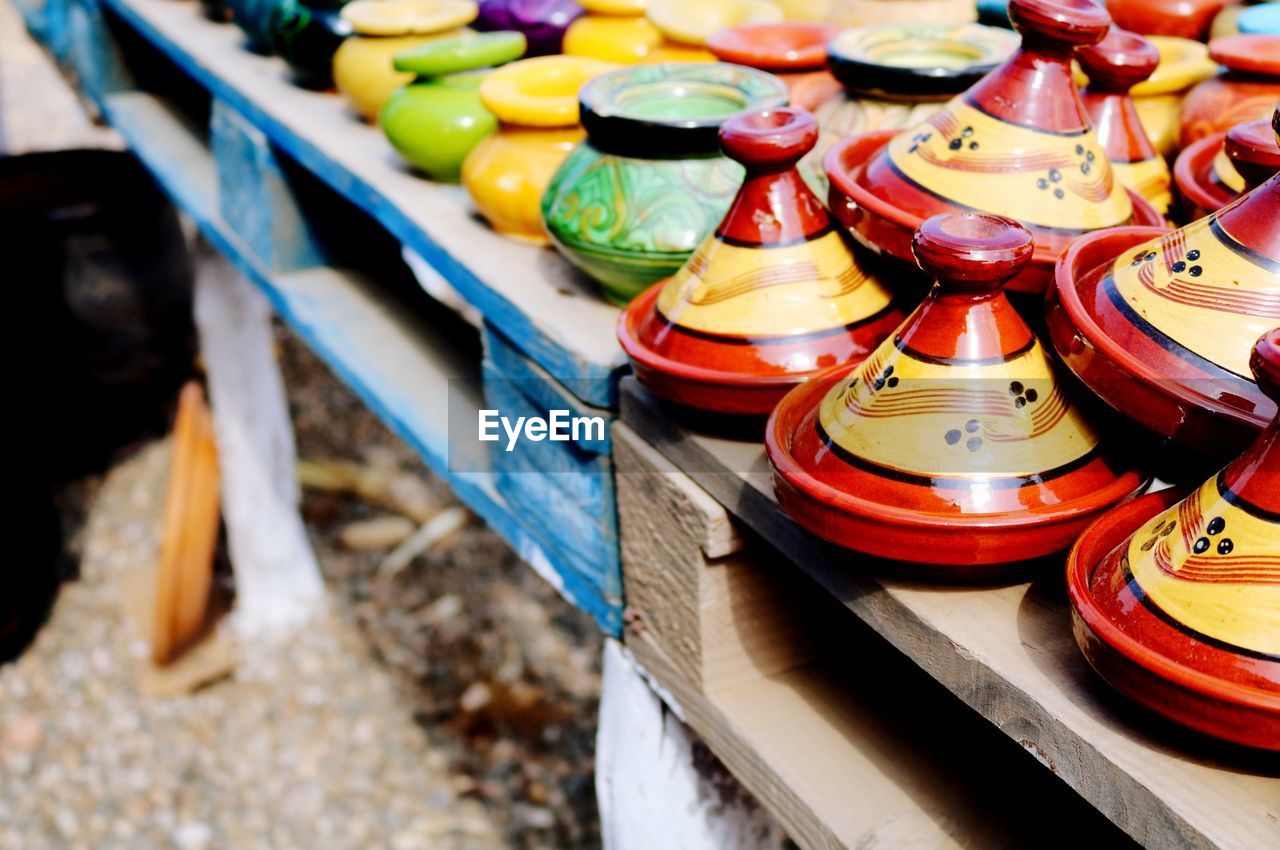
(1254, 150)
(972, 252)
(1118, 62)
(1265, 363)
(769, 139)
(1066, 23)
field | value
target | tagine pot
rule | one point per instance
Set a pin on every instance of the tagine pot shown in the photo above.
(306, 37)
(437, 119)
(1018, 142)
(1246, 90)
(1158, 324)
(1183, 63)
(1176, 602)
(770, 299)
(795, 51)
(1113, 66)
(536, 103)
(896, 75)
(955, 444)
(363, 67)
(860, 13)
(649, 183)
(542, 22)
(1180, 18)
(1208, 172)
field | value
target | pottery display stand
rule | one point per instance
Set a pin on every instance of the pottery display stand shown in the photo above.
(764, 652)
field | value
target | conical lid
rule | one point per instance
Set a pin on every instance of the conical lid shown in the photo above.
(1180, 309)
(1198, 584)
(1019, 142)
(775, 293)
(1114, 66)
(960, 417)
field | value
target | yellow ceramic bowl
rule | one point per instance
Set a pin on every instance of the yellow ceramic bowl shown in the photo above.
(674, 51)
(805, 10)
(408, 17)
(540, 92)
(1183, 63)
(693, 21)
(615, 7)
(862, 13)
(507, 173)
(363, 72)
(626, 40)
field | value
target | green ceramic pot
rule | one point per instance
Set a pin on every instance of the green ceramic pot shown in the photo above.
(435, 121)
(306, 37)
(649, 183)
(254, 18)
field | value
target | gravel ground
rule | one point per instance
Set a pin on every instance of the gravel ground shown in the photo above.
(450, 705)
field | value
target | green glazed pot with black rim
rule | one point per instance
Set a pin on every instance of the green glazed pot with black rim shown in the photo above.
(436, 120)
(634, 200)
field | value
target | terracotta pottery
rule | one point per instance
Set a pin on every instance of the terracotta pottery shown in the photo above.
(955, 443)
(1159, 323)
(306, 37)
(1247, 89)
(543, 22)
(1181, 18)
(1018, 142)
(773, 297)
(625, 39)
(1209, 174)
(635, 200)
(363, 68)
(1114, 65)
(536, 102)
(1177, 603)
(859, 13)
(436, 120)
(1183, 63)
(796, 52)
(897, 75)
(1263, 19)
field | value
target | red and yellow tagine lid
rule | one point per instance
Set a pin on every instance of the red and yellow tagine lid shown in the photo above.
(955, 443)
(1159, 323)
(1177, 603)
(1018, 143)
(773, 297)
(1210, 173)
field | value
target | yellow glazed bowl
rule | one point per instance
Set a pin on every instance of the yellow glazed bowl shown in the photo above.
(862, 13)
(362, 65)
(693, 21)
(625, 40)
(537, 102)
(674, 51)
(1183, 63)
(805, 10)
(627, 8)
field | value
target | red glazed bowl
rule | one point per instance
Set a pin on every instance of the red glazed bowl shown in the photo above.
(1199, 188)
(1182, 18)
(970, 549)
(796, 51)
(883, 226)
(1247, 91)
(1186, 695)
(1129, 377)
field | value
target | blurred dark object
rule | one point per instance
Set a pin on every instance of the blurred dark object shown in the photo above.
(101, 339)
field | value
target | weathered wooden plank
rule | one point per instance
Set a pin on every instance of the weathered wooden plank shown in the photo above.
(558, 318)
(1008, 653)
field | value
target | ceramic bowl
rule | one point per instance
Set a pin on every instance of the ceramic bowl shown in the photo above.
(861, 13)
(1247, 90)
(621, 39)
(954, 444)
(1180, 18)
(536, 102)
(542, 22)
(437, 119)
(692, 22)
(1206, 178)
(1174, 595)
(795, 51)
(770, 299)
(1183, 63)
(632, 202)
(363, 67)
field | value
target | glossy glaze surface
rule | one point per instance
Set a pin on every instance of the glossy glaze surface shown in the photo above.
(795, 51)
(1018, 142)
(632, 203)
(859, 13)
(1177, 603)
(306, 38)
(774, 296)
(955, 442)
(1160, 325)
(1180, 18)
(1114, 66)
(1183, 63)
(612, 38)
(542, 22)
(693, 21)
(1247, 90)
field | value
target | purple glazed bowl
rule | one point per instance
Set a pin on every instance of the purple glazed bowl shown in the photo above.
(543, 22)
